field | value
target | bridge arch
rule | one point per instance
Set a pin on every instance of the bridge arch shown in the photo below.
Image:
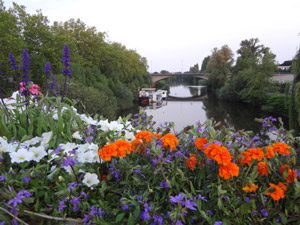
(157, 77)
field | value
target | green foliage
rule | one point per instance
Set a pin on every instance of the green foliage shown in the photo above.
(294, 105)
(276, 103)
(94, 59)
(218, 67)
(204, 64)
(195, 68)
(251, 75)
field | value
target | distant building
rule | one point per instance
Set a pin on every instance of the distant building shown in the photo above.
(286, 65)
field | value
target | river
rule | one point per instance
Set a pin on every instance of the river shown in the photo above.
(187, 105)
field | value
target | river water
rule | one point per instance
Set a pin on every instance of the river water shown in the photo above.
(187, 105)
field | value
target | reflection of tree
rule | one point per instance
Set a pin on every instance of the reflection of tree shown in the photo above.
(237, 115)
(194, 91)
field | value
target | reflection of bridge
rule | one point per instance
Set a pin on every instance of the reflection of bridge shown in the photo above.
(190, 99)
(159, 76)
(281, 77)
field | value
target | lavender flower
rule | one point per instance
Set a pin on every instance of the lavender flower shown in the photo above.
(25, 65)
(47, 70)
(26, 179)
(264, 212)
(61, 205)
(75, 202)
(177, 198)
(3, 178)
(158, 219)
(189, 204)
(12, 61)
(52, 85)
(218, 223)
(66, 71)
(69, 161)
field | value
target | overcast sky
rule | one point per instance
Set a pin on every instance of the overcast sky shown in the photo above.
(176, 34)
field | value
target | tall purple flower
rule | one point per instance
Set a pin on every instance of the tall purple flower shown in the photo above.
(12, 61)
(25, 65)
(47, 71)
(66, 61)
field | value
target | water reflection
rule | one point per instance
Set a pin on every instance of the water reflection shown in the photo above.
(188, 111)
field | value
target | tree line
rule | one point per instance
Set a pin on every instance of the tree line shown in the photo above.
(249, 79)
(105, 74)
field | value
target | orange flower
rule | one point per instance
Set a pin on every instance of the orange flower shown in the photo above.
(292, 176)
(107, 151)
(282, 186)
(275, 191)
(192, 161)
(270, 152)
(137, 145)
(283, 167)
(146, 135)
(157, 136)
(226, 171)
(281, 148)
(170, 141)
(247, 158)
(218, 153)
(200, 142)
(123, 147)
(262, 169)
(256, 153)
(250, 187)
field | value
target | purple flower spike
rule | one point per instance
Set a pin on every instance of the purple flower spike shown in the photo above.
(25, 65)
(47, 68)
(12, 61)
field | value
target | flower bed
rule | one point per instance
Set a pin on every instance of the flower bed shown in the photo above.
(59, 166)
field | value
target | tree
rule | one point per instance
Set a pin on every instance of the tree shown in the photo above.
(204, 64)
(195, 68)
(218, 67)
(252, 73)
(294, 110)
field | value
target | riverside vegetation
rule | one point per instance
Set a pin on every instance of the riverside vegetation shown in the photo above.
(58, 166)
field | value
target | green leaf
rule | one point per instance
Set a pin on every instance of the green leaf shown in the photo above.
(283, 219)
(245, 208)
(130, 220)
(192, 188)
(120, 217)
(137, 211)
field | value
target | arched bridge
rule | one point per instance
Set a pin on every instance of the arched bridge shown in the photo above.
(159, 76)
(280, 77)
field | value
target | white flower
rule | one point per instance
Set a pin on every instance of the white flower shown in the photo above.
(53, 170)
(69, 147)
(77, 135)
(32, 141)
(88, 119)
(104, 125)
(87, 157)
(115, 126)
(129, 136)
(55, 116)
(87, 146)
(90, 179)
(38, 153)
(6, 147)
(52, 155)
(46, 137)
(21, 155)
